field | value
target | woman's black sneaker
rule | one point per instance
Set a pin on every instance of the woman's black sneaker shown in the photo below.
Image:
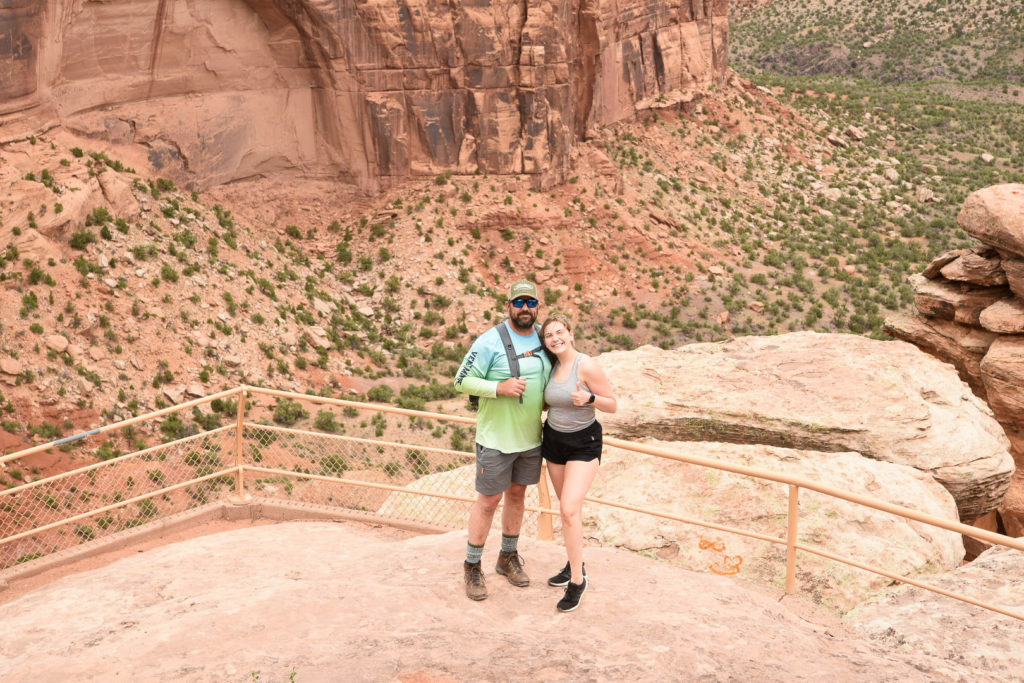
(573, 593)
(562, 578)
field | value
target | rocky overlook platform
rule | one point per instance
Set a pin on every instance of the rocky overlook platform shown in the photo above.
(329, 601)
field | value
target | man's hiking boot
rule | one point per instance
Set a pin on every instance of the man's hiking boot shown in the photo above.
(573, 593)
(562, 578)
(476, 589)
(510, 565)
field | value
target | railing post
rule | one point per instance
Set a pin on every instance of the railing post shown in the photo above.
(545, 530)
(794, 494)
(240, 495)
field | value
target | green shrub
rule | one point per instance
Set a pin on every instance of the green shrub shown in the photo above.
(82, 239)
(288, 411)
(325, 421)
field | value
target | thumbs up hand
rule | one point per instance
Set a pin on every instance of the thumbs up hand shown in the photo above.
(581, 396)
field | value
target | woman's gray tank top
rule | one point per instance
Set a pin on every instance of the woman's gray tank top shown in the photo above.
(562, 414)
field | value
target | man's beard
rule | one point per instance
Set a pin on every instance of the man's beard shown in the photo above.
(523, 320)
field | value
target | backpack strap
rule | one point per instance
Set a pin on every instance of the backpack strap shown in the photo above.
(510, 350)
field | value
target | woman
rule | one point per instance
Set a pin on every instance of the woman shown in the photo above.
(572, 443)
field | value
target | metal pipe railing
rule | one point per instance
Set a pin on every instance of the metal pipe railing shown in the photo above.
(119, 425)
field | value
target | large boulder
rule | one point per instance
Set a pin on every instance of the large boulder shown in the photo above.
(918, 621)
(699, 493)
(825, 392)
(993, 215)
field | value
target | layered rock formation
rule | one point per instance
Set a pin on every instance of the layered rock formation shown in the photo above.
(365, 91)
(970, 307)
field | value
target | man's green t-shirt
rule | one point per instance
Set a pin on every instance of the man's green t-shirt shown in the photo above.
(503, 423)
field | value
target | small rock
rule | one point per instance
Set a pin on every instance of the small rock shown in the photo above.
(855, 133)
(175, 394)
(836, 141)
(10, 366)
(57, 342)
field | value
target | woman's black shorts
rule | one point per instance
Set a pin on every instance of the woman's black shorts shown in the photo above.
(561, 447)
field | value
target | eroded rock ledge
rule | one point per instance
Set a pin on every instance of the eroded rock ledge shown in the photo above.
(368, 91)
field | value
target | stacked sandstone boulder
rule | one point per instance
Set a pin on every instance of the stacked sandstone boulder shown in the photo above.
(970, 307)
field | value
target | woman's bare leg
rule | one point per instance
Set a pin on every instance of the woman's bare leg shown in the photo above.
(576, 481)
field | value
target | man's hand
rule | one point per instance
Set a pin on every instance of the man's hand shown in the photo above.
(513, 386)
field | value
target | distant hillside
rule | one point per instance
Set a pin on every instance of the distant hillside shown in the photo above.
(886, 40)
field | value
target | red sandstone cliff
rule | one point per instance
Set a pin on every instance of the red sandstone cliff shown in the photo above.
(363, 90)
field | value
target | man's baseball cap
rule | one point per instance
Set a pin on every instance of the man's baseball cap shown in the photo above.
(522, 288)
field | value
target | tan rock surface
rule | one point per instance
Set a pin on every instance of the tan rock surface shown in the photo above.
(330, 601)
(884, 400)
(854, 531)
(982, 269)
(1014, 269)
(1004, 317)
(933, 269)
(961, 346)
(993, 215)
(1012, 509)
(1003, 373)
(922, 622)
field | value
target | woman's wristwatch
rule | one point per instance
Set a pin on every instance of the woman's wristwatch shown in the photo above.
(592, 398)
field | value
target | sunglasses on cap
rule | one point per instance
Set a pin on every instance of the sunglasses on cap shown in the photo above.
(519, 302)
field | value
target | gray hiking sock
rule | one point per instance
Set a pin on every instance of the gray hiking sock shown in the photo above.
(474, 553)
(509, 544)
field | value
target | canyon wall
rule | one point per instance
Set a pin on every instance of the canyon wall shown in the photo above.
(367, 91)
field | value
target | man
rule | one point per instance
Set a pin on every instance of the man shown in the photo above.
(507, 433)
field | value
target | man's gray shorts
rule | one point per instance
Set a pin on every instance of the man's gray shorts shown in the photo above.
(496, 471)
